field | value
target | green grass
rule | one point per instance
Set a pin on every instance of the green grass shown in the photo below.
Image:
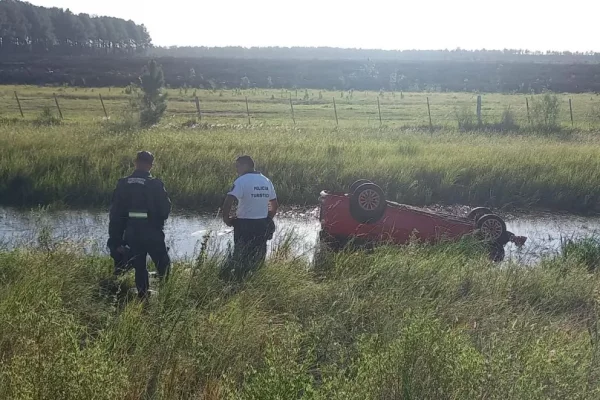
(79, 164)
(78, 161)
(411, 323)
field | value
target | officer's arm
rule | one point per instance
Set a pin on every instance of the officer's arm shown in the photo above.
(273, 203)
(117, 218)
(163, 202)
(227, 205)
(273, 207)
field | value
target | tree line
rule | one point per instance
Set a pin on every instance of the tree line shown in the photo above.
(227, 73)
(330, 53)
(26, 28)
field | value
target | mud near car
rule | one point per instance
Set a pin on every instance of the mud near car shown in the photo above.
(297, 227)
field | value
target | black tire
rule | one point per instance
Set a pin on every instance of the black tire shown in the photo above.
(492, 228)
(478, 212)
(357, 184)
(367, 203)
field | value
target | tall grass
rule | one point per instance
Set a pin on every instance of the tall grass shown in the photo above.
(80, 164)
(411, 323)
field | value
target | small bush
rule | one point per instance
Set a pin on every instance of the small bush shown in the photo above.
(467, 120)
(154, 101)
(47, 118)
(507, 121)
(545, 112)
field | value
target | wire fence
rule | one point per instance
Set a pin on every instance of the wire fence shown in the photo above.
(346, 109)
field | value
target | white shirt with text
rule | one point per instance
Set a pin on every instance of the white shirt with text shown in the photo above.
(253, 191)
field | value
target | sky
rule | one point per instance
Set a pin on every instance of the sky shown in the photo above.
(375, 24)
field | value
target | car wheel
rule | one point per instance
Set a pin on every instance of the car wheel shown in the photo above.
(367, 203)
(478, 212)
(491, 227)
(357, 184)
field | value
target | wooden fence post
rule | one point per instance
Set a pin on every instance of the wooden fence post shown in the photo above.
(429, 112)
(58, 106)
(479, 123)
(571, 109)
(379, 108)
(292, 108)
(104, 108)
(337, 123)
(198, 108)
(19, 104)
(528, 115)
(248, 111)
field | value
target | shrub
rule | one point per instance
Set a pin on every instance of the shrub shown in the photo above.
(545, 112)
(467, 120)
(507, 121)
(47, 118)
(154, 101)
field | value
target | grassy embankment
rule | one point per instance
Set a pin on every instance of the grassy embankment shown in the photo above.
(79, 165)
(412, 323)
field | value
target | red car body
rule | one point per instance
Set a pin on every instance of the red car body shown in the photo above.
(399, 223)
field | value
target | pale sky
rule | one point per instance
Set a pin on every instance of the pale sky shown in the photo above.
(375, 24)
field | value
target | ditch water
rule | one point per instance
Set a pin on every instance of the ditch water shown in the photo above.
(185, 232)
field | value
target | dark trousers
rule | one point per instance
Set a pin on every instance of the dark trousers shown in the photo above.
(250, 238)
(144, 241)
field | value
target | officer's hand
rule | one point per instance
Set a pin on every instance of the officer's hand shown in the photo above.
(228, 221)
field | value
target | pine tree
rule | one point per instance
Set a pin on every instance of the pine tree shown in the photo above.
(154, 102)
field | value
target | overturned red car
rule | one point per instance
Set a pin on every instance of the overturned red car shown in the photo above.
(365, 215)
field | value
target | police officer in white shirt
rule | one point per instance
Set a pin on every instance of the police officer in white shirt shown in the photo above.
(253, 223)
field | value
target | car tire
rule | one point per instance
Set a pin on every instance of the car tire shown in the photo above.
(367, 203)
(491, 227)
(478, 212)
(357, 184)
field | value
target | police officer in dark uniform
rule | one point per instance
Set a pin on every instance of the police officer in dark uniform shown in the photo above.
(140, 206)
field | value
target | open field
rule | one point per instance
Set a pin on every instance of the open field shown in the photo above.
(272, 107)
(79, 161)
(414, 323)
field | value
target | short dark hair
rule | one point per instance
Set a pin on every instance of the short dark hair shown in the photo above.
(246, 160)
(145, 157)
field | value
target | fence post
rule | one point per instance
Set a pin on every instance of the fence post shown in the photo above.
(58, 106)
(379, 108)
(248, 111)
(479, 123)
(198, 108)
(429, 112)
(19, 103)
(528, 115)
(571, 109)
(104, 108)
(292, 108)
(337, 123)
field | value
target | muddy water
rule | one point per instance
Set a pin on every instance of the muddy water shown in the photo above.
(184, 232)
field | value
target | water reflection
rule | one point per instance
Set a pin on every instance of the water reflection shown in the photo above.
(184, 232)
